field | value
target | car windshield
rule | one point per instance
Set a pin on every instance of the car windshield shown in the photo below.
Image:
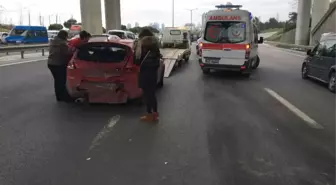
(18, 32)
(225, 32)
(104, 53)
(117, 33)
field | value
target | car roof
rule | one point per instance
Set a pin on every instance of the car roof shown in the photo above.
(103, 38)
(328, 36)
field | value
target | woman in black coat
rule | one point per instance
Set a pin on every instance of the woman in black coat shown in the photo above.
(147, 56)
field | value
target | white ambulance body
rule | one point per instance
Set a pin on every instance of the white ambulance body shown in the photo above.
(230, 41)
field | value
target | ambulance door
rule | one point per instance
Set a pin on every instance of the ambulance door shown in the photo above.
(254, 41)
(225, 41)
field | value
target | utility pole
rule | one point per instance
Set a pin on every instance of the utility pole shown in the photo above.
(173, 14)
(56, 18)
(49, 20)
(29, 17)
(191, 18)
(21, 17)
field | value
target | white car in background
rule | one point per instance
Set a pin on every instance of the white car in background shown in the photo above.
(3, 36)
(122, 34)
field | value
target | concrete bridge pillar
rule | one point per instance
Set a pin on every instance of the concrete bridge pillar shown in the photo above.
(302, 23)
(91, 16)
(112, 14)
(319, 8)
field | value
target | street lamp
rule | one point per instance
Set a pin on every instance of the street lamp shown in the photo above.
(173, 9)
(191, 16)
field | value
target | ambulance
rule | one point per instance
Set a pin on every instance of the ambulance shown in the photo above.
(229, 41)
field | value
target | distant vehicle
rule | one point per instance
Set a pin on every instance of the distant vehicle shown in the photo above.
(122, 34)
(320, 62)
(230, 41)
(175, 37)
(3, 36)
(52, 34)
(74, 30)
(28, 35)
(102, 71)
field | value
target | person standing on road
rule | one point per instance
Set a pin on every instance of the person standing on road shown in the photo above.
(147, 56)
(84, 37)
(59, 56)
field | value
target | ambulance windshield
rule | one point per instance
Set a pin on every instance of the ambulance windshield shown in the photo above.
(225, 32)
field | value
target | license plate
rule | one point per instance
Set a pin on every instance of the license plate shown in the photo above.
(212, 61)
(110, 86)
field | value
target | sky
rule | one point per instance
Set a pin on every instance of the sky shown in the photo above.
(141, 11)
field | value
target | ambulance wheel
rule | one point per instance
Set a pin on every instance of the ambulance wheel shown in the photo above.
(206, 71)
(256, 64)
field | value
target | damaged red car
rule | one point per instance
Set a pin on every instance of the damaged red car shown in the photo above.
(102, 71)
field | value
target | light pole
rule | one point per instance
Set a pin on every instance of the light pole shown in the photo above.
(173, 9)
(2, 9)
(191, 16)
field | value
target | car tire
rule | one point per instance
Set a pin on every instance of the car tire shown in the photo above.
(186, 58)
(246, 75)
(206, 71)
(332, 81)
(304, 71)
(256, 64)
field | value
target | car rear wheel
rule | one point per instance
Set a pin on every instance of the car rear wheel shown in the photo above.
(304, 71)
(206, 71)
(246, 75)
(256, 63)
(332, 82)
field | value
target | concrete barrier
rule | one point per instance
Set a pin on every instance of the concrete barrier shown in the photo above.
(22, 48)
(290, 46)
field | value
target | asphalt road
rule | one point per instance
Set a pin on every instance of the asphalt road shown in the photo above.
(219, 129)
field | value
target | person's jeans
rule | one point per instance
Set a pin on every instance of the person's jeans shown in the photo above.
(59, 74)
(150, 99)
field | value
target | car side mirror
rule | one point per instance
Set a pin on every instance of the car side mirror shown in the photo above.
(309, 52)
(261, 40)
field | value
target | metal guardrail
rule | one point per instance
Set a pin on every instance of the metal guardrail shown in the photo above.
(23, 48)
(290, 46)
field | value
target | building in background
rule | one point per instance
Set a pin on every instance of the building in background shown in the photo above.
(129, 26)
(162, 26)
(136, 24)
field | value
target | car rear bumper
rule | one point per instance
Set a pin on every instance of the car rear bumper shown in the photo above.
(245, 68)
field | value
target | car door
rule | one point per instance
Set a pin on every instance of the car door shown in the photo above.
(314, 66)
(328, 59)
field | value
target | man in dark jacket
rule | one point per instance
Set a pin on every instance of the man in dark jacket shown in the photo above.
(147, 56)
(59, 56)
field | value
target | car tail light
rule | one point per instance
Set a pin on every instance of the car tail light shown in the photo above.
(130, 69)
(72, 65)
(247, 51)
(200, 48)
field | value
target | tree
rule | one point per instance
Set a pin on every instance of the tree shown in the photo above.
(292, 17)
(123, 27)
(69, 23)
(138, 29)
(55, 27)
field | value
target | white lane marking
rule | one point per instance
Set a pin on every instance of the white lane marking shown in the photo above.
(295, 110)
(23, 62)
(104, 132)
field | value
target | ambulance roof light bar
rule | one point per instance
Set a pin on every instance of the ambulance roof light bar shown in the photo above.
(229, 6)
